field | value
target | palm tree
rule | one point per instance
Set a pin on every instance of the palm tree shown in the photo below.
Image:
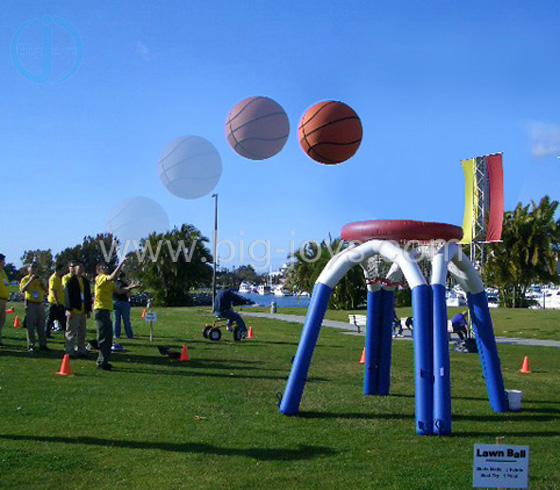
(309, 262)
(529, 252)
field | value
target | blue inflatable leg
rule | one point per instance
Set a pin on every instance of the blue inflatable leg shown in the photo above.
(385, 342)
(423, 358)
(296, 382)
(371, 366)
(488, 351)
(442, 381)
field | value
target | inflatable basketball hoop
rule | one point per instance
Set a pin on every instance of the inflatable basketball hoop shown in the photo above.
(388, 251)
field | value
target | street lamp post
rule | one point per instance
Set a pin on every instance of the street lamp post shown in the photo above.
(215, 248)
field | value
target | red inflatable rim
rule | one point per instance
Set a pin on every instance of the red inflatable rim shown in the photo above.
(400, 230)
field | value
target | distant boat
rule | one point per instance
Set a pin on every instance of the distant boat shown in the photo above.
(263, 289)
(280, 290)
(455, 300)
(303, 293)
(550, 299)
(245, 288)
(493, 302)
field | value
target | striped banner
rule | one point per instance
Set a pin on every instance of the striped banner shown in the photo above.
(495, 198)
(471, 199)
(484, 199)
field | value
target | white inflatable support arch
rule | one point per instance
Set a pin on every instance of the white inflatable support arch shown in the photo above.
(339, 265)
(450, 257)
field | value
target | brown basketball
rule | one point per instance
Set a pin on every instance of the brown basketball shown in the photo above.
(330, 132)
(257, 128)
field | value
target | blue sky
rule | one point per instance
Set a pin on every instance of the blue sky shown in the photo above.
(434, 82)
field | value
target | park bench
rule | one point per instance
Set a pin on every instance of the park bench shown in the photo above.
(359, 322)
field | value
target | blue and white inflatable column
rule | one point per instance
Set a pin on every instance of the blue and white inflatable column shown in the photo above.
(463, 270)
(385, 342)
(442, 375)
(488, 351)
(372, 345)
(309, 335)
(423, 358)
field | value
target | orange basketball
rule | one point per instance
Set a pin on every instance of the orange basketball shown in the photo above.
(330, 132)
(257, 128)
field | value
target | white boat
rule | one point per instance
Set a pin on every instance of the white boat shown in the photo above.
(550, 299)
(280, 290)
(493, 302)
(263, 289)
(453, 299)
(245, 288)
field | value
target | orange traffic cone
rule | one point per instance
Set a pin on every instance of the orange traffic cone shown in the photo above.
(184, 354)
(65, 366)
(363, 356)
(16, 322)
(143, 315)
(525, 367)
(250, 333)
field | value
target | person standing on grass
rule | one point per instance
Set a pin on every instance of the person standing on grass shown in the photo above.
(121, 308)
(105, 287)
(77, 302)
(34, 290)
(4, 294)
(66, 277)
(55, 298)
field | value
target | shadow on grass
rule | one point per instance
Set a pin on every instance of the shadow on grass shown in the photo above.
(184, 372)
(551, 411)
(354, 415)
(508, 433)
(262, 454)
(507, 416)
(542, 402)
(187, 372)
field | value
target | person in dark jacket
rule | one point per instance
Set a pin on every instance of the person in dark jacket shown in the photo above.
(223, 309)
(77, 302)
(459, 324)
(121, 308)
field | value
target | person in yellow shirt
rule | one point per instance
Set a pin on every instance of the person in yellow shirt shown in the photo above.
(67, 276)
(102, 307)
(34, 290)
(77, 302)
(55, 298)
(4, 294)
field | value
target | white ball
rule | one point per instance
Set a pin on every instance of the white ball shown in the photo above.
(136, 218)
(190, 167)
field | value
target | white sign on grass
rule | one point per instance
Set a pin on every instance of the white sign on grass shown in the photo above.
(150, 317)
(501, 466)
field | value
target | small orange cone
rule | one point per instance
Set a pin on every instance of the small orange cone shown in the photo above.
(65, 366)
(250, 333)
(143, 315)
(184, 354)
(16, 322)
(525, 367)
(363, 356)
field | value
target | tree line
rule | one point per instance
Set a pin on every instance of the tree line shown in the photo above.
(528, 254)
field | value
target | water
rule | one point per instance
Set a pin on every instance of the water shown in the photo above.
(281, 301)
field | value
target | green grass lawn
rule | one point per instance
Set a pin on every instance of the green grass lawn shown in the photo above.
(519, 322)
(213, 422)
